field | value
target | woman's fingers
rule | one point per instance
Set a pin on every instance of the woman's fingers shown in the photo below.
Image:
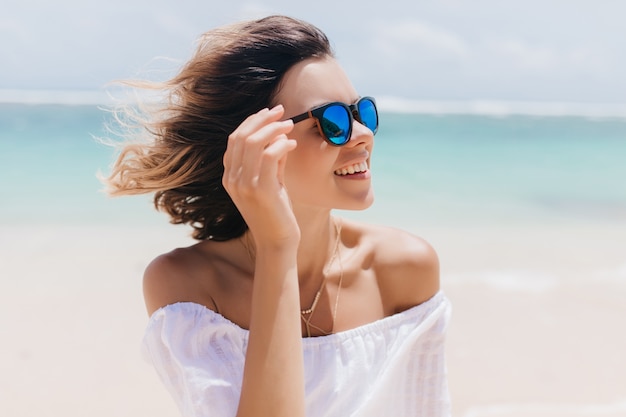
(237, 139)
(271, 169)
(257, 150)
(253, 174)
(254, 154)
(244, 165)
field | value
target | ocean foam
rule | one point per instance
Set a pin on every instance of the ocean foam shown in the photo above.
(385, 103)
(501, 108)
(67, 97)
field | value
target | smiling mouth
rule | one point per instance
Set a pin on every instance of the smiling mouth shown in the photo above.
(352, 169)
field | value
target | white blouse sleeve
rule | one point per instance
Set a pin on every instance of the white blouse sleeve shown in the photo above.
(199, 357)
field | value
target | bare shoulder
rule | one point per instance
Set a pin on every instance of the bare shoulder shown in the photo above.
(172, 277)
(406, 265)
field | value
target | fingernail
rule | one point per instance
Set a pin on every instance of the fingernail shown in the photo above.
(277, 108)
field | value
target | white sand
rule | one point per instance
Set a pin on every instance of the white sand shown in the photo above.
(537, 325)
(538, 321)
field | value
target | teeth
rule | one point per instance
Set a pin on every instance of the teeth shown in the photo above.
(360, 167)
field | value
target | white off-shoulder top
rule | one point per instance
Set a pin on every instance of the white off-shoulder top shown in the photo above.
(392, 367)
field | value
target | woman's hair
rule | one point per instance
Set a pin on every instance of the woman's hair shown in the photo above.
(235, 72)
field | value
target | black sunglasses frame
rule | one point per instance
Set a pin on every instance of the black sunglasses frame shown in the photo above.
(351, 109)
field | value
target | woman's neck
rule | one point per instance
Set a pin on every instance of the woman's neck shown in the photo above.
(318, 241)
(318, 238)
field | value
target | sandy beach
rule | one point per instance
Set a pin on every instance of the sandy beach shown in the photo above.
(537, 322)
(536, 327)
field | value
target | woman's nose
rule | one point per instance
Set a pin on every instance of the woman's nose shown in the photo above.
(360, 134)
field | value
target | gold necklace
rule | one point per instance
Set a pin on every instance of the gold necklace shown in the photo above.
(309, 311)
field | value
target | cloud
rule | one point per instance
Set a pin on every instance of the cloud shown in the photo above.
(250, 11)
(520, 54)
(523, 56)
(173, 25)
(12, 29)
(450, 49)
(413, 37)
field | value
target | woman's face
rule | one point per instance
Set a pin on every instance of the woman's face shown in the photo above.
(313, 170)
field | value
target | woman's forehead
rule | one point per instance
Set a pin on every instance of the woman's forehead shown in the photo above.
(314, 82)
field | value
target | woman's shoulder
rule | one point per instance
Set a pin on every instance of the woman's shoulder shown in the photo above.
(406, 265)
(173, 277)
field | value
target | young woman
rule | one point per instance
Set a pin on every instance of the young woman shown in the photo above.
(281, 308)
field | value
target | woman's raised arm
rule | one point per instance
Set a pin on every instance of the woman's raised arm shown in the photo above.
(273, 378)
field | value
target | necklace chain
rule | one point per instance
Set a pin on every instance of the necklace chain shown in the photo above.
(309, 311)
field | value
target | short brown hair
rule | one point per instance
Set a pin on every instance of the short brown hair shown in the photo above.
(235, 72)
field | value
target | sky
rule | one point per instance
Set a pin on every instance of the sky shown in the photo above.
(446, 50)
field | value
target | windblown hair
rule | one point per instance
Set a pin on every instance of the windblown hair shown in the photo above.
(235, 72)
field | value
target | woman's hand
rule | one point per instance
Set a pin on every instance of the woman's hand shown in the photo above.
(254, 164)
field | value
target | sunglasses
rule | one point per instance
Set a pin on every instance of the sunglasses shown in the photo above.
(335, 120)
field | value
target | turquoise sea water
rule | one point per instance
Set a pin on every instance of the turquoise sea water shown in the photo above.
(432, 169)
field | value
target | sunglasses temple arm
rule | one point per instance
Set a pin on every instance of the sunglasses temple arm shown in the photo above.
(301, 117)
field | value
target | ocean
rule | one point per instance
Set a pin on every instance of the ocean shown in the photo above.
(429, 170)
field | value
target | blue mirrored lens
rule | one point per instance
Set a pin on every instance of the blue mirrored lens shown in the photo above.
(335, 124)
(368, 115)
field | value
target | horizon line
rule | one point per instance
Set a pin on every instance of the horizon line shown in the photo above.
(391, 104)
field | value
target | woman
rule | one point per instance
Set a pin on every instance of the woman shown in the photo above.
(281, 309)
